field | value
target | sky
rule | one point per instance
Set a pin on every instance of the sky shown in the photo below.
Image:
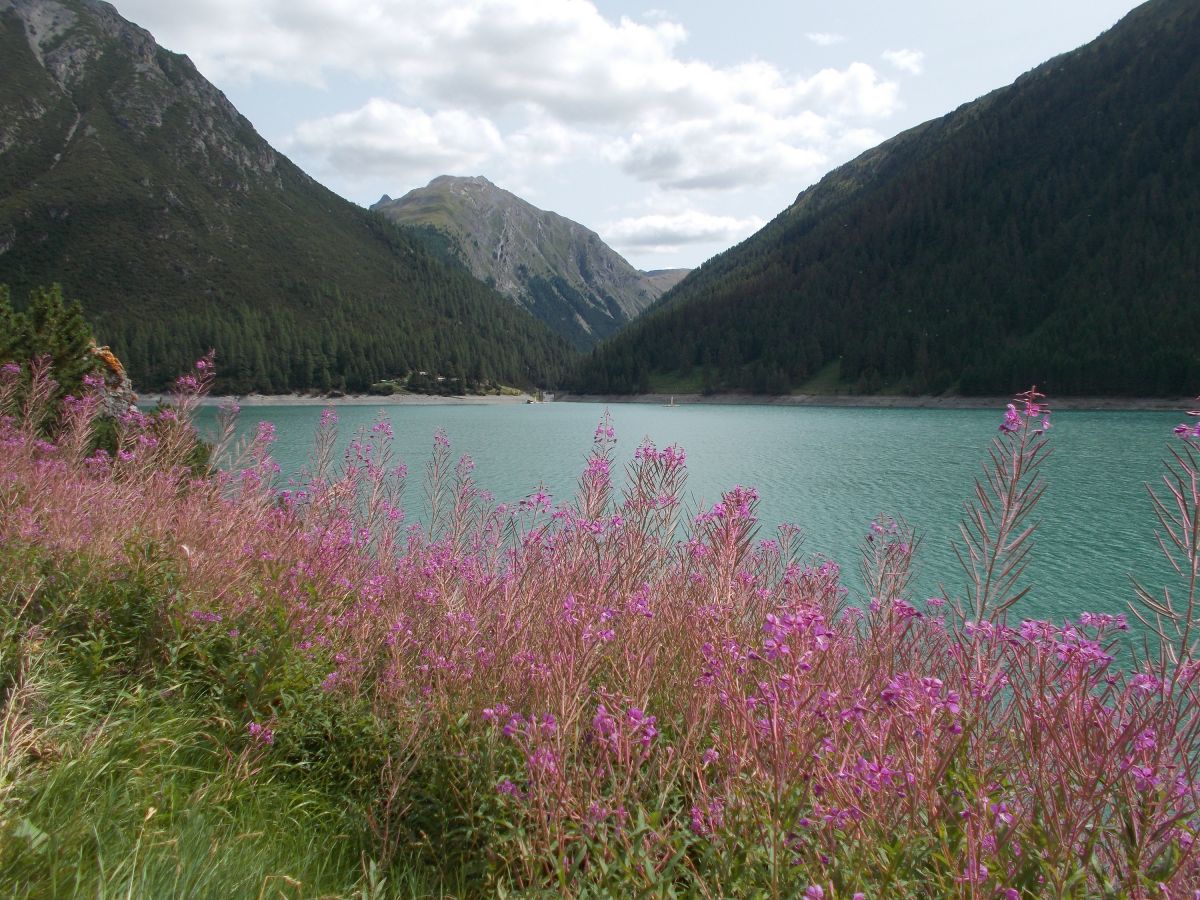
(673, 128)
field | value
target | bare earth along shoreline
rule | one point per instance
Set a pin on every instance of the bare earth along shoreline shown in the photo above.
(879, 401)
(378, 400)
(863, 401)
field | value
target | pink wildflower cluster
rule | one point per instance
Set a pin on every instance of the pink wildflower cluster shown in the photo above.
(1189, 431)
(1031, 408)
(629, 679)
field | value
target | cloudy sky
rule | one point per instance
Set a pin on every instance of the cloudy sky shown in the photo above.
(674, 128)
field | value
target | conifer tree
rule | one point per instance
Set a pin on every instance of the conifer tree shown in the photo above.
(49, 327)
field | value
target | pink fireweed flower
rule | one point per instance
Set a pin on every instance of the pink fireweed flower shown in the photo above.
(603, 723)
(1144, 778)
(598, 470)
(639, 603)
(542, 760)
(674, 457)
(707, 818)
(536, 502)
(98, 461)
(265, 433)
(1001, 815)
(605, 433)
(1146, 740)
(984, 630)
(642, 723)
(975, 872)
(509, 789)
(646, 451)
(1104, 620)
(499, 711)
(261, 733)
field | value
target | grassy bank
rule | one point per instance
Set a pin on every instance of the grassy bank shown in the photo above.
(209, 687)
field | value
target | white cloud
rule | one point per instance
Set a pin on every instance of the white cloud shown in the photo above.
(543, 142)
(855, 91)
(911, 61)
(383, 139)
(825, 38)
(764, 129)
(545, 80)
(736, 150)
(669, 233)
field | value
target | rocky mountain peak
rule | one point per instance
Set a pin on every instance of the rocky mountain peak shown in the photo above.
(465, 182)
(556, 268)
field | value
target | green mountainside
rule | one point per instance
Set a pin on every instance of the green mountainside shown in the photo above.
(554, 267)
(1048, 232)
(130, 179)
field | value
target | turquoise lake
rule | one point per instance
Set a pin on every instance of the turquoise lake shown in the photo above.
(828, 470)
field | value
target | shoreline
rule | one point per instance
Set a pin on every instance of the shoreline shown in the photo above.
(851, 401)
(248, 400)
(884, 401)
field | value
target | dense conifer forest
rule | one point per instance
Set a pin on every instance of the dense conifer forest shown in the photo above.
(1048, 232)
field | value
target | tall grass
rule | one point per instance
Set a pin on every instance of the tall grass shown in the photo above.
(215, 688)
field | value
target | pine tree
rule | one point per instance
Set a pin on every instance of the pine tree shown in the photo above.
(49, 327)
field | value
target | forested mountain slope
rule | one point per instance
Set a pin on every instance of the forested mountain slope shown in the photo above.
(130, 179)
(557, 269)
(1048, 232)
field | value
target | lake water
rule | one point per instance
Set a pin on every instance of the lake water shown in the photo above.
(828, 470)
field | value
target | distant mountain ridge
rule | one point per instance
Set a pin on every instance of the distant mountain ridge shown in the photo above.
(128, 177)
(1048, 232)
(559, 270)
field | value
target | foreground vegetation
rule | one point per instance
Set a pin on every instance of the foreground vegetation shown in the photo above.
(211, 688)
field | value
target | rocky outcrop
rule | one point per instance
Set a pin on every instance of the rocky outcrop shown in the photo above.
(116, 391)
